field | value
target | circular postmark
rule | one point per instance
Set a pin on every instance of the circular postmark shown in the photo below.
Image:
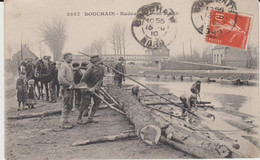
(201, 14)
(154, 26)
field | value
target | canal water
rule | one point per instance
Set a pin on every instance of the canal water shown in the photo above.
(238, 99)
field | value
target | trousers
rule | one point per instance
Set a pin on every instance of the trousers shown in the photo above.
(67, 98)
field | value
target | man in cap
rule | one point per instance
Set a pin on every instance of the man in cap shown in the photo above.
(66, 79)
(121, 68)
(93, 79)
(53, 83)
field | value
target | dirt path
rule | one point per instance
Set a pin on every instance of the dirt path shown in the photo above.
(33, 139)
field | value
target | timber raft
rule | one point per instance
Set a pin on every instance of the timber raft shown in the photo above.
(157, 121)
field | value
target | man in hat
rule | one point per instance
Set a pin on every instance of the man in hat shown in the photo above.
(53, 83)
(66, 79)
(93, 79)
(121, 68)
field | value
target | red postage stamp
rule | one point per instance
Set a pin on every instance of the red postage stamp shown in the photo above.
(228, 29)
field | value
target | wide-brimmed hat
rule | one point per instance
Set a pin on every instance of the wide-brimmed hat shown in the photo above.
(121, 59)
(95, 58)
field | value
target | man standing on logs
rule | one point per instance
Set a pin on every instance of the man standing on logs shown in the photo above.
(189, 101)
(93, 78)
(121, 68)
(195, 88)
(65, 76)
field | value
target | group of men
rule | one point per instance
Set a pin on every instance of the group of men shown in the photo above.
(86, 81)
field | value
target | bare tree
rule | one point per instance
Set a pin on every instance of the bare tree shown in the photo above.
(96, 47)
(117, 38)
(54, 36)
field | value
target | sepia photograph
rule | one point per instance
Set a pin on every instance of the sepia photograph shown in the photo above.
(132, 79)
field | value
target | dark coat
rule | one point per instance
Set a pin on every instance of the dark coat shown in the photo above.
(54, 76)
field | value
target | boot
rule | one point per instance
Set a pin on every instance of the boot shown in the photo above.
(91, 116)
(80, 121)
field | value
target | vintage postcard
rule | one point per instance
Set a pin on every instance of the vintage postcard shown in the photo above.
(122, 79)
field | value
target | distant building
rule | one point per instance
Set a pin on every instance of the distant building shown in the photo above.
(164, 51)
(222, 55)
(17, 58)
(24, 53)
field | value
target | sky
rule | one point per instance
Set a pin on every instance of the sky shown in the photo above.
(23, 18)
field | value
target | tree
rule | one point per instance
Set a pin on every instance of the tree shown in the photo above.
(206, 55)
(96, 47)
(117, 38)
(54, 36)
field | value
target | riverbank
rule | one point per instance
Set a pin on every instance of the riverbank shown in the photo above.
(224, 74)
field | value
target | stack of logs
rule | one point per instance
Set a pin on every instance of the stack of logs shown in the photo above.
(151, 127)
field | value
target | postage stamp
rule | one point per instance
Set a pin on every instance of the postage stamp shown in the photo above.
(154, 26)
(200, 12)
(228, 29)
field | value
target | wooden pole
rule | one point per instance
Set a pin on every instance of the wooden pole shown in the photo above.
(109, 105)
(34, 115)
(105, 139)
(190, 50)
(109, 96)
(183, 51)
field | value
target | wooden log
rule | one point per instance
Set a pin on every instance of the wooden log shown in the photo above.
(249, 128)
(193, 150)
(205, 106)
(146, 127)
(194, 143)
(34, 115)
(252, 140)
(105, 139)
(150, 95)
(157, 103)
(201, 102)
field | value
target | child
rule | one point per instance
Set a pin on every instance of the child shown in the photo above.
(31, 99)
(21, 86)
